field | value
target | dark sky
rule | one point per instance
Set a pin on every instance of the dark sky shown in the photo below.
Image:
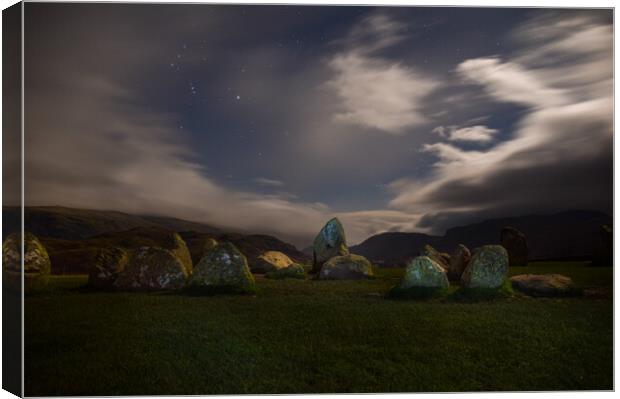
(275, 118)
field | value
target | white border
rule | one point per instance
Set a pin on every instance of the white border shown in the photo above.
(456, 3)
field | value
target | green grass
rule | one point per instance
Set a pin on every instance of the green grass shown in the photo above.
(297, 336)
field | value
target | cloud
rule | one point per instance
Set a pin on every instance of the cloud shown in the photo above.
(559, 155)
(268, 182)
(477, 133)
(375, 92)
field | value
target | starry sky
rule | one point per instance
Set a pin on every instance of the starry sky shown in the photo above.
(273, 119)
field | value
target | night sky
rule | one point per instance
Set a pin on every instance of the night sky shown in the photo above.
(273, 119)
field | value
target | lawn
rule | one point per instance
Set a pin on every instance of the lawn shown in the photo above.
(315, 336)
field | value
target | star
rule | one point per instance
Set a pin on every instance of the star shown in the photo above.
(238, 97)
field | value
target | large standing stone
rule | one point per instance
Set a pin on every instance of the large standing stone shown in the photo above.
(269, 261)
(330, 242)
(294, 270)
(487, 268)
(516, 245)
(603, 248)
(224, 268)
(458, 262)
(441, 258)
(346, 267)
(108, 264)
(37, 265)
(543, 284)
(422, 271)
(152, 268)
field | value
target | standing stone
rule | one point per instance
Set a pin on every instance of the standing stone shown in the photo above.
(441, 258)
(603, 248)
(516, 245)
(150, 269)
(487, 268)
(208, 245)
(108, 264)
(330, 242)
(346, 267)
(224, 268)
(422, 271)
(269, 261)
(458, 262)
(37, 265)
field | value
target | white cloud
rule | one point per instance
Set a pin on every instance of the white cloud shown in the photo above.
(375, 92)
(561, 148)
(268, 182)
(477, 133)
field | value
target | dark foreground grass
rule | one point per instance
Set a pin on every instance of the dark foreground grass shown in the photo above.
(298, 336)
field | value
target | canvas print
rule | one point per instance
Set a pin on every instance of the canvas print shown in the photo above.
(284, 199)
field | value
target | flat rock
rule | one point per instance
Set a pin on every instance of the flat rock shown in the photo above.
(269, 261)
(542, 284)
(294, 270)
(346, 267)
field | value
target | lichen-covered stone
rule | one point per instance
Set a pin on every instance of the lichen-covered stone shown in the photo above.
(441, 258)
(294, 270)
(108, 264)
(458, 262)
(543, 284)
(346, 267)
(180, 250)
(223, 268)
(208, 245)
(516, 245)
(37, 265)
(331, 241)
(151, 268)
(269, 261)
(422, 271)
(487, 268)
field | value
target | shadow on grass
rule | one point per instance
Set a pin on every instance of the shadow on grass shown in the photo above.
(193, 290)
(472, 295)
(419, 293)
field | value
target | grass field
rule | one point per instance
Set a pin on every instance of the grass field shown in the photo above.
(316, 336)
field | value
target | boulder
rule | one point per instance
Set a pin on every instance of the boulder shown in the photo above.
(108, 264)
(487, 268)
(294, 270)
(441, 258)
(543, 284)
(516, 245)
(269, 261)
(180, 250)
(422, 271)
(346, 267)
(37, 265)
(330, 242)
(458, 262)
(208, 245)
(603, 248)
(150, 269)
(223, 269)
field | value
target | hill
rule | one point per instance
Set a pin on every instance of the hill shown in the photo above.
(563, 235)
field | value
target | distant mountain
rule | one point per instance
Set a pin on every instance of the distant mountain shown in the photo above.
(72, 223)
(73, 237)
(567, 234)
